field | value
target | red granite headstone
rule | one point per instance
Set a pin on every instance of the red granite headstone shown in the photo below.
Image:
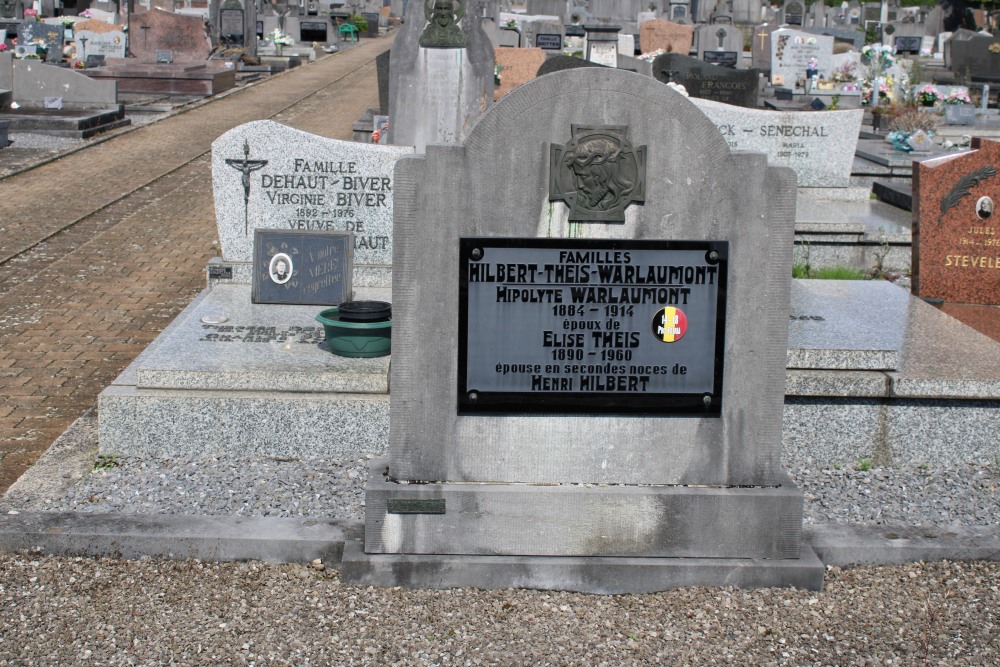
(956, 226)
(181, 39)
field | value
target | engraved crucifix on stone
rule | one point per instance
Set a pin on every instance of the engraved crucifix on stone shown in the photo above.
(246, 166)
(721, 34)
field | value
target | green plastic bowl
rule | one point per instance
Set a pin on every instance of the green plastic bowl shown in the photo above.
(355, 339)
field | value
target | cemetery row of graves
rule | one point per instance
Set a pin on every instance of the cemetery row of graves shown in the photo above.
(577, 248)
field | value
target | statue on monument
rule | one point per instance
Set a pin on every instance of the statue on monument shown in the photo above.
(443, 30)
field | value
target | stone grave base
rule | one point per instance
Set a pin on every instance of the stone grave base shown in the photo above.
(168, 79)
(74, 123)
(260, 383)
(872, 373)
(640, 521)
(583, 574)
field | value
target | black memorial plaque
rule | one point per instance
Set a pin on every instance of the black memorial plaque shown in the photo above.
(548, 41)
(313, 31)
(908, 43)
(302, 267)
(575, 31)
(722, 84)
(588, 326)
(722, 58)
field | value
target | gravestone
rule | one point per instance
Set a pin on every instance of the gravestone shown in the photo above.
(818, 145)
(956, 226)
(437, 93)
(791, 51)
(314, 31)
(737, 87)
(157, 31)
(516, 67)
(602, 43)
(232, 22)
(760, 49)
(592, 399)
(382, 71)
(107, 44)
(793, 12)
(269, 176)
(666, 35)
(978, 56)
(33, 33)
(720, 44)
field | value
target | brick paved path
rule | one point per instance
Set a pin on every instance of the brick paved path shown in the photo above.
(100, 249)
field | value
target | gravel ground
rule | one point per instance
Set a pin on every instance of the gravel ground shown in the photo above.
(78, 611)
(912, 496)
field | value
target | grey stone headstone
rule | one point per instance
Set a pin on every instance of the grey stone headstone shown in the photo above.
(469, 193)
(732, 86)
(302, 267)
(973, 56)
(436, 94)
(744, 506)
(791, 51)
(106, 44)
(269, 176)
(231, 24)
(818, 145)
(49, 35)
(382, 71)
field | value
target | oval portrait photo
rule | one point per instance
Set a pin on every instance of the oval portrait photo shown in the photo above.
(280, 269)
(984, 208)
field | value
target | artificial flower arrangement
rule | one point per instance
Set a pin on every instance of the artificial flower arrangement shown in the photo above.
(884, 91)
(929, 95)
(957, 97)
(845, 73)
(812, 68)
(279, 38)
(3, 47)
(877, 57)
(30, 14)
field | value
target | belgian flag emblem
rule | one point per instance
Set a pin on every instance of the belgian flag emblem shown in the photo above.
(670, 324)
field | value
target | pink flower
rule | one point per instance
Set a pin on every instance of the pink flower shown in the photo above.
(30, 13)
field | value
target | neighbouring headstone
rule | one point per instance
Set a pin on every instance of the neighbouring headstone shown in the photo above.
(818, 145)
(382, 71)
(732, 86)
(666, 35)
(791, 52)
(517, 66)
(154, 32)
(720, 44)
(42, 36)
(977, 57)
(760, 49)
(232, 21)
(269, 176)
(630, 368)
(109, 44)
(956, 226)
(436, 93)
(302, 267)
(602, 43)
